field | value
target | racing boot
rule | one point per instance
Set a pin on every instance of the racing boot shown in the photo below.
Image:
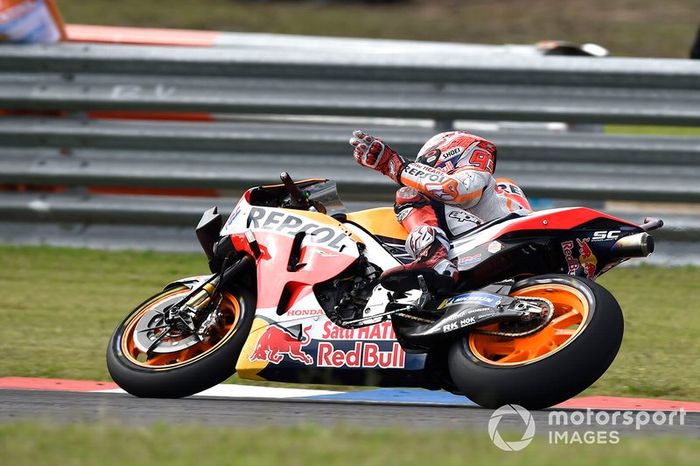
(429, 247)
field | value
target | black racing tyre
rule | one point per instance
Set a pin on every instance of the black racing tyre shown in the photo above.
(554, 364)
(186, 366)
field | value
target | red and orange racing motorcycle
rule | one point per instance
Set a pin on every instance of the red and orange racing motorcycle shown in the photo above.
(294, 296)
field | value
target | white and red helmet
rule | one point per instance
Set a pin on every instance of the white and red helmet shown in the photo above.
(458, 149)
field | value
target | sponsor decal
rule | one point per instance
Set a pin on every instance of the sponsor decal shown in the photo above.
(469, 260)
(463, 216)
(449, 327)
(606, 235)
(276, 342)
(304, 312)
(567, 248)
(510, 188)
(288, 224)
(362, 354)
(430, 156)
(381, 331)
(494, 247)
(405, 212)
(451, 153)
(393, 168)
(586, 258)
(365, 354)
(485, 299)
(468, 321)
(232, 217)
(344, 348)
(457, 315)
(431, 174)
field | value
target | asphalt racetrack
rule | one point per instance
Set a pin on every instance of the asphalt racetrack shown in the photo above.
(70, 407)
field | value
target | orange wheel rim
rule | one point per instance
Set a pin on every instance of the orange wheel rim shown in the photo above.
(231, 313)
(570, 316)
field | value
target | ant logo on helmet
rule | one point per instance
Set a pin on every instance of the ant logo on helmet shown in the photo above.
(430, 157)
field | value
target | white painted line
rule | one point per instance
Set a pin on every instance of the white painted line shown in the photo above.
(250, 391)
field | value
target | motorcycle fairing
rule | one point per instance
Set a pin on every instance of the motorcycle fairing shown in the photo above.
(292, 339)
(543, 222)
(381, 222)
(325, 250)
(540, 240)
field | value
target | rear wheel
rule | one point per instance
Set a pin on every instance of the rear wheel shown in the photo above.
(552, 365)
(148, 359)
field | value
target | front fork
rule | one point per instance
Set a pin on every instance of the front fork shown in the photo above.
(192, 306)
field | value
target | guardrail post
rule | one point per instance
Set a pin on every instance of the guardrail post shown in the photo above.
(444, 125)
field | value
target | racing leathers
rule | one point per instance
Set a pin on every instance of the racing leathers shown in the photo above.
(453, 171)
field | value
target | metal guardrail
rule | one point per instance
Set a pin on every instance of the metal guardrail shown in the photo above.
(294, 96)
(383, 66)
(238, 155)
(384, 84)
(255, 82)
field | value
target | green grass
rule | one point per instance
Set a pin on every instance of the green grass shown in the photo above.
(626, 27)
(59, 306)
(84, 444)
(653, 130)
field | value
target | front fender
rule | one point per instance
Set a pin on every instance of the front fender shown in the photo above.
(189, 282)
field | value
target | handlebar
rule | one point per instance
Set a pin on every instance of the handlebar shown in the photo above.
(298, 197)
(294, 191)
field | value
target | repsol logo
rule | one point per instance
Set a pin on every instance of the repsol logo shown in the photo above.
(274, 220)
(435, 177)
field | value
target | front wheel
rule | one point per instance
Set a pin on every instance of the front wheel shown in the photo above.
(148, 359)
(556, 363)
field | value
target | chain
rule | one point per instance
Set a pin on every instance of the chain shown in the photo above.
(416, 318)
(540, 326)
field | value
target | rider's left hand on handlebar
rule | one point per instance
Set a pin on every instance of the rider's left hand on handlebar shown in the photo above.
(374, 153)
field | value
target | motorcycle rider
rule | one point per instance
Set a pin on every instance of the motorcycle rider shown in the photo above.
(451, 183)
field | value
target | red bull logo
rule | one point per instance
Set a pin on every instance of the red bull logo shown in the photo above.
(275, 342)
(586, 258)
(363, 354)
(567, 248)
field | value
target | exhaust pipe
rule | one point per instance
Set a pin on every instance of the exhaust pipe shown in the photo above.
(637, 245)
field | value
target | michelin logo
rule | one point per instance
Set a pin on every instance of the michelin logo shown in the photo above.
(481, 298)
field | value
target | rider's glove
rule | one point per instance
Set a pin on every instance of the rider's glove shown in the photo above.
(373, 153)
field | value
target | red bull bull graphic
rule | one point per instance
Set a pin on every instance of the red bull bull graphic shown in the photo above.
(276, 342)
(586, 258)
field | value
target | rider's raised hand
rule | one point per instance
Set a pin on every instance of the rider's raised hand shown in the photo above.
(374, 153)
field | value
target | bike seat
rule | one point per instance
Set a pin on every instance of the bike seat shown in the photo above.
(484, 226)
